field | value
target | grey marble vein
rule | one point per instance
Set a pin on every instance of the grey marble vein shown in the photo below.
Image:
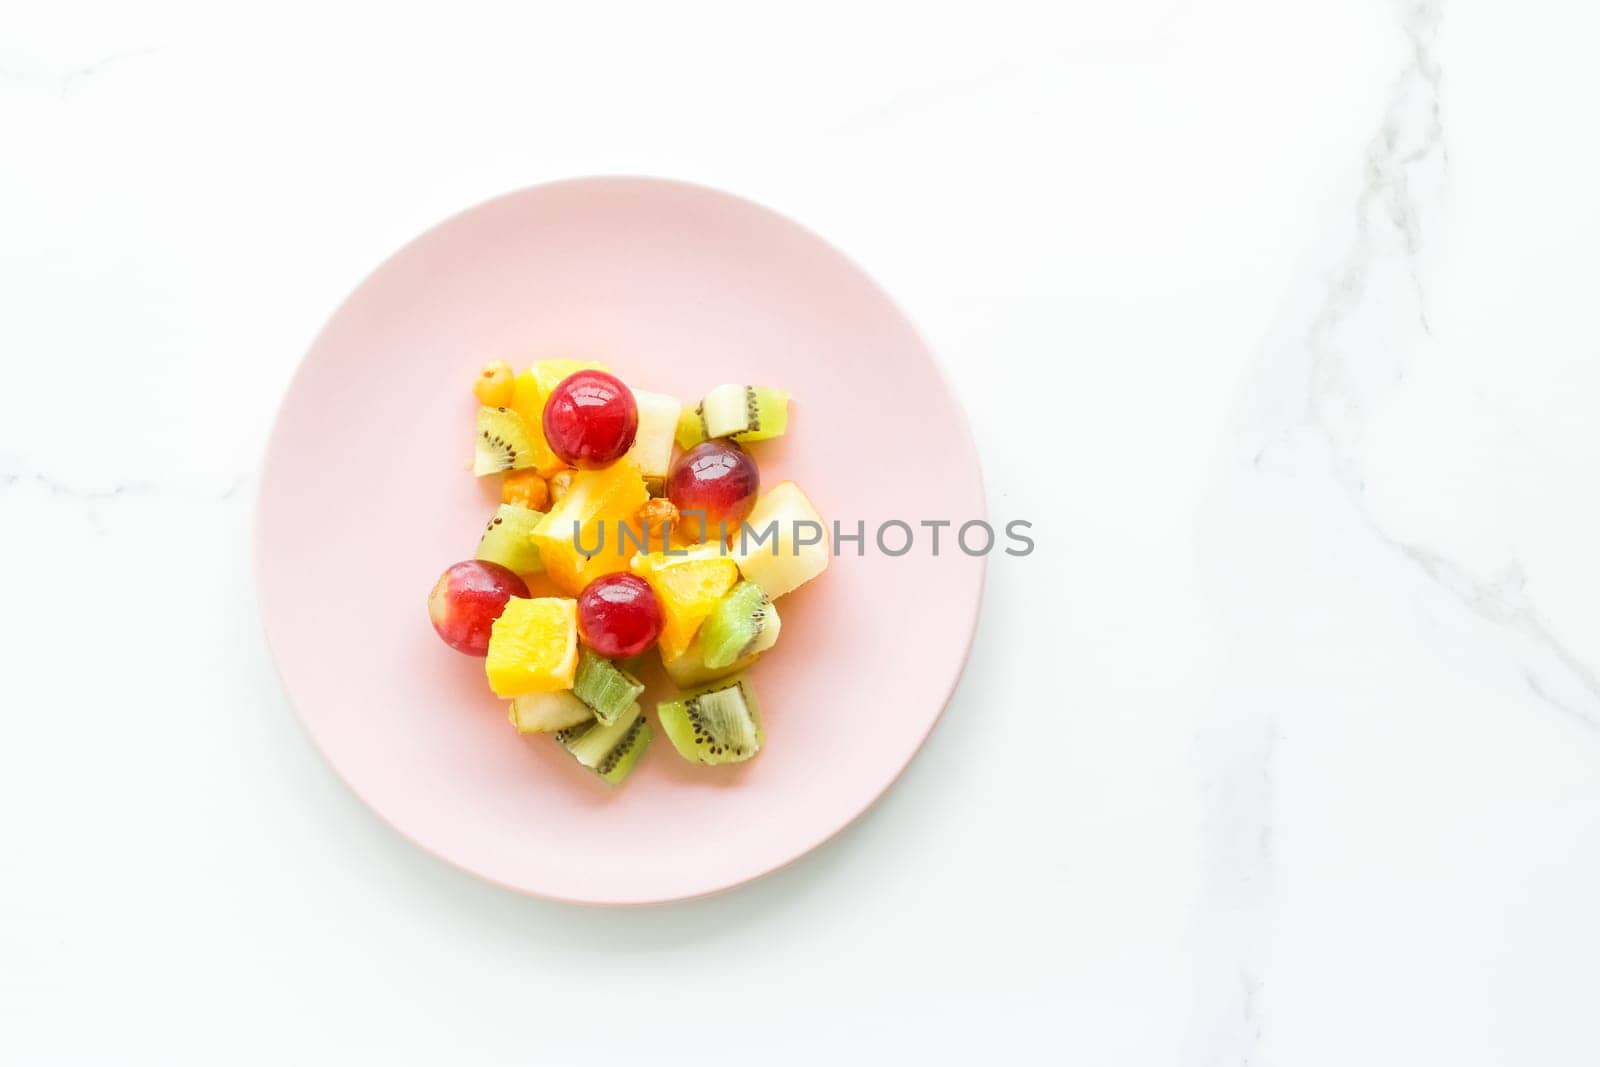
(12, 480)
(1407, 159)
(1238, 761)
(67, 81)
(1238, 856)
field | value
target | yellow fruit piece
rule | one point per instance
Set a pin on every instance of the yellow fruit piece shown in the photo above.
(548, 373)
(783, 544)
(526, 401)
(494, 385)
(533, 647)
(597, 505)
(688, 586)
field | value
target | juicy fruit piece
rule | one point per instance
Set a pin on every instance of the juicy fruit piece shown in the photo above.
(533, 647)
(495, 384)
(745, 412)
(796, 552)
(599, 503)
(508, 539)
(658, 423)
(525, 488)
(604, 687)
(742, 624)
(691, 428)
(619, 616)
(690, 670)
(549, 373)
(544, 713)
(717, 478)
(467, 599)
(720, 723)
(688, 586)
(503, 442)
(575, 442)
(609, 750)
(591, 420)
(527, 402)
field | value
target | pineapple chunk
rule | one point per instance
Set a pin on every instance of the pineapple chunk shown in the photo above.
(786, 561)
(533, 646)
(549, 373)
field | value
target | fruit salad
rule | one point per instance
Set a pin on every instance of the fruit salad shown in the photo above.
(630, 525)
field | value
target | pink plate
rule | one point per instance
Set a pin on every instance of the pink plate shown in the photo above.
(364, 501)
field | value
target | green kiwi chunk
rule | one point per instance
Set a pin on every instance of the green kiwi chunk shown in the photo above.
(720, 723)
(743, 623)
(543, 713)
(609, 750)
(508, 539)
(606, 688)
(503, 442)
(745, 412)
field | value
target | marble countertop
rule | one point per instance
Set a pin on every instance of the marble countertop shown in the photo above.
(1282, 749)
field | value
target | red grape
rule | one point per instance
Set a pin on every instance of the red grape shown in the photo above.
(590, 419)
(619, 615)
(466, 600)
(718, 478)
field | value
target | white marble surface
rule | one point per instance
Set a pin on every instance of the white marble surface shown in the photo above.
(1283, 749)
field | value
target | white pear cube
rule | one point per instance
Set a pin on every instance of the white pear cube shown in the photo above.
(658, 423)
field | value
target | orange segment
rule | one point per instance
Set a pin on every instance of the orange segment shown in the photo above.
(526, 401)
(533, 647)
(688, 587)
(597, 505)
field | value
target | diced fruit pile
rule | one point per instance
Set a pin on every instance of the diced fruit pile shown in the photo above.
(631, 510)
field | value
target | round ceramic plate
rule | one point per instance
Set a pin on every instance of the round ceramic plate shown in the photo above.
(364, 500)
